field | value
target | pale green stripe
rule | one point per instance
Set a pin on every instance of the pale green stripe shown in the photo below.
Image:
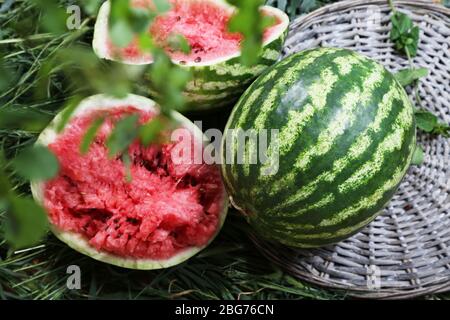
(205, 97)
(271, 54)
(366, 202)
(297, 235)
(345, 64)
(255, 94)
(196, 85)
(250, 148)
(329, 198)
(237, 69)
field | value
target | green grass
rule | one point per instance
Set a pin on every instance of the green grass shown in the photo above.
(229, 269)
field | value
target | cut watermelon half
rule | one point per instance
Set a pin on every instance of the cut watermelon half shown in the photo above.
(173, 206)
(218, 76)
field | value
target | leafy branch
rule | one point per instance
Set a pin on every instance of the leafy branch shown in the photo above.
(405, 36)
(404, 33)
(26, 221)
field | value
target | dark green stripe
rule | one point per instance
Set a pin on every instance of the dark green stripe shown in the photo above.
(319, 122)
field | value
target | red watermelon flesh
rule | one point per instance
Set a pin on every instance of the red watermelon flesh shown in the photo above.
(202, 23)
(166, 207)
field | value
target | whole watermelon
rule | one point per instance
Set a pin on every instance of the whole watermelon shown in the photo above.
(345, 139)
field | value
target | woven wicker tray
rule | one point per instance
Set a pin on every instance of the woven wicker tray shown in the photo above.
(405, 252)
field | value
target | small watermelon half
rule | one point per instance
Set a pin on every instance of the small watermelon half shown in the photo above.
(158, 210)
(218, 77)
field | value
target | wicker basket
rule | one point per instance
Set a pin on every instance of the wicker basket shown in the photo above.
(405, 252)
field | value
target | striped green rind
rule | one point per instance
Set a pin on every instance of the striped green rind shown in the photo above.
(346, 139)
(213, 84)
(222, 84)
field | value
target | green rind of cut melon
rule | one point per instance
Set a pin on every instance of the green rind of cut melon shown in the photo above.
(80, 243)
(214, 83)
(347, 136)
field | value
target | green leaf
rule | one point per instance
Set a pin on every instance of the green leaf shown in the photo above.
(124, 133)
(145, 42)
(428, 122)
(251, 24)
(150, 131)
(413, 41)
(162, 6)
(120, 23)
(85, 70)
(308, 5)
(127, 22)
(121, 33)
(36, 163)
(169, 80)
(141, 20)
(293, 6)
(179, 43)
(127, 163)
(179, 77)
(407, 76)
(91, 6)
(26, 222)
(442, 129)
(90, 135)
(418, 156)
(404, 23)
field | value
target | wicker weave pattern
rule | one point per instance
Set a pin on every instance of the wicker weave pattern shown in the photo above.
(405, 252)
